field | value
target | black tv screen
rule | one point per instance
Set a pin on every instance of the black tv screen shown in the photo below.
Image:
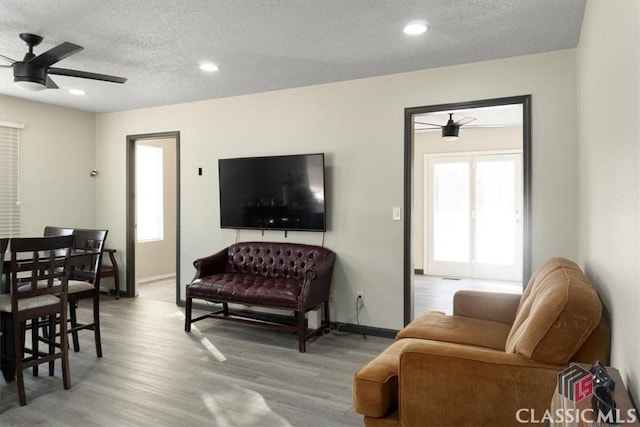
(273, 193)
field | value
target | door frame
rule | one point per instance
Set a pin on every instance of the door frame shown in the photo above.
(525, 101)
(130, 207)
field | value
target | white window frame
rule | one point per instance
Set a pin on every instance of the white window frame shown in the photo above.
(149, 193)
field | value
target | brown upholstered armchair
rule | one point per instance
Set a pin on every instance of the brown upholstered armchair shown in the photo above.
(496, 354)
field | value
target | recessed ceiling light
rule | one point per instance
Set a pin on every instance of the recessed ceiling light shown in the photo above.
(207, 66)
(78, 92)
(414, 28)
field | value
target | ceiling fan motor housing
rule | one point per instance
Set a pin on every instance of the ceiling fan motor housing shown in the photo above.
(27, 72)
(450, 130)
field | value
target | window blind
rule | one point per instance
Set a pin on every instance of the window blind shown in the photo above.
(10, 179)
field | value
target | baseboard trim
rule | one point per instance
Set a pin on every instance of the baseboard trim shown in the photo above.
(367, 330)
(156, 278)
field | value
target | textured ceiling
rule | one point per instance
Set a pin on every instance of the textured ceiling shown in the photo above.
(263, 45)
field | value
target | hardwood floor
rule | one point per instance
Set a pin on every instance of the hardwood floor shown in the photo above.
(436, 293)
(161, 290)
(221, 374)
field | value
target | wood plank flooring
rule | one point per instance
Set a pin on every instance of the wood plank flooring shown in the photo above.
(221, 374)
(436, 293)
(161, 290)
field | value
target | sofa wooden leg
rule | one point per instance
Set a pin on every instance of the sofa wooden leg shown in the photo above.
(301, 331)
(187, 315)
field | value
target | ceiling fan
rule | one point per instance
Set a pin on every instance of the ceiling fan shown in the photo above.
(32, 73)
(450, 130)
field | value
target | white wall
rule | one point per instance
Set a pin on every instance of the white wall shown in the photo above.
(359, 125)
(609, 159)
(57, 153)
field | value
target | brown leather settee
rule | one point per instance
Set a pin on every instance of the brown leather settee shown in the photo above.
(496, 354)
(288, 276)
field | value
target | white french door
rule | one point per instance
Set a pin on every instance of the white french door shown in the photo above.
(473, 216)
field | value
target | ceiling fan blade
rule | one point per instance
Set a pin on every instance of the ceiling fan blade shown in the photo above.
(55, 54)
(428, 124)
(51, 84)
(465, 121)
(487, 126)
(8, 59)
(86, 75)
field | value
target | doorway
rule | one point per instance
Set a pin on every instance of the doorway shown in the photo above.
(453, 233)
(153, 216)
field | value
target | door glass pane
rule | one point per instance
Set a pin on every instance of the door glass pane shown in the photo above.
(451, 212)
(495, 212)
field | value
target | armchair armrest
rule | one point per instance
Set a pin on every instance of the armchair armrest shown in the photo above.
(494, 306)
(317, 283)
(454, 384)
(211, 264)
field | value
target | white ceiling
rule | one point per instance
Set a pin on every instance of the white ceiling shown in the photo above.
(263, 45)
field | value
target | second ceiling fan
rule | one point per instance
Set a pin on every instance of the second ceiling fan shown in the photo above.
(451, 129)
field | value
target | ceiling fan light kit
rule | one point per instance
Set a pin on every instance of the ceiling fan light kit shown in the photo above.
(450, 132)
(32, 73)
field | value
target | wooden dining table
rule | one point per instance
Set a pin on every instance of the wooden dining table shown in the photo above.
(76, 258)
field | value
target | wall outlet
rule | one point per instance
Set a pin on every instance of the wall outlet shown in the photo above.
(360, 298)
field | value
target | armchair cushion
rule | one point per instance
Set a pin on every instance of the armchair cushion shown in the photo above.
(557, 313)
(437, 326)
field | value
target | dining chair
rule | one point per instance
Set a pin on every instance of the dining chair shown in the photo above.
(39, 271)
(52, 231)
(84, 282)
(111, 270)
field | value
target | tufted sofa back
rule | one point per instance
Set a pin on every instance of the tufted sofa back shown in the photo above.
(281, 260)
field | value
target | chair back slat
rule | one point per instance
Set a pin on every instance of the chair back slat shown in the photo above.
(51, 231)
(38, 263)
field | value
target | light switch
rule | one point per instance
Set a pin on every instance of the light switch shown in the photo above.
(397, 213)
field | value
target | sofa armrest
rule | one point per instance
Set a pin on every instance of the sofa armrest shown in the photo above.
(211, 264)
(459, 385)
(494, 306)
(317, 283)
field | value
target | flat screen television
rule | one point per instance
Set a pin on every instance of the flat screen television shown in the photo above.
(273, 193)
